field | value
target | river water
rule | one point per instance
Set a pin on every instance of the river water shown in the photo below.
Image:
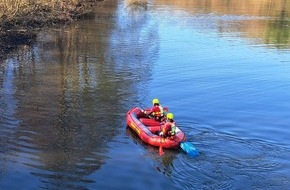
(222, 68)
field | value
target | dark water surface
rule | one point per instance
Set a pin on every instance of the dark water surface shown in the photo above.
(222, 67)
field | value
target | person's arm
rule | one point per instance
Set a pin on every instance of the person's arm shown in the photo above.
(152, 110)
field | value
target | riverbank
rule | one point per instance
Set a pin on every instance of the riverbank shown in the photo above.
(21, 19)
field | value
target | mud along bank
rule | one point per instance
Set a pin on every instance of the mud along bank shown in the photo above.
(21, 19)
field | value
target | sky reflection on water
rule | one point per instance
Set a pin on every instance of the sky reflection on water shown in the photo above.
(222, 69)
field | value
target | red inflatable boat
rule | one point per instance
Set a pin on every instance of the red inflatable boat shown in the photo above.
(147, 129)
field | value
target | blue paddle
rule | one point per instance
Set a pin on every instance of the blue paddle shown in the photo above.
(189, 149)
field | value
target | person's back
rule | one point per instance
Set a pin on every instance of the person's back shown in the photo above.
(169, 127)
(157, 110)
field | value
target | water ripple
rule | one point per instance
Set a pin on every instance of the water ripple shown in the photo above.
(226, 162)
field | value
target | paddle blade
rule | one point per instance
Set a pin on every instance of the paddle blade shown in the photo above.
(189, 149)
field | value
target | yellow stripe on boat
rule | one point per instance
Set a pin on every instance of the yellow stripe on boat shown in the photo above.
(135, 128)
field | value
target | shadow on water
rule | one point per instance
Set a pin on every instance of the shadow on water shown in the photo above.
(63, 101)
(64, 98)
(164, 163)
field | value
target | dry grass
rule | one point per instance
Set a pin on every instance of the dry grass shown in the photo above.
(138, 3)
(11, 10)
(19, 19)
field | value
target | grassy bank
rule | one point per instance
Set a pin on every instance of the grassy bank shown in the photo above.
(139, 3)
(20, 19)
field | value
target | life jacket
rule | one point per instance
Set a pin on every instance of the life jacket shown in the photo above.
(157, 111)
(173, 128)
(169, 128)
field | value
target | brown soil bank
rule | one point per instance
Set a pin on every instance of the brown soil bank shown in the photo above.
(20, 19)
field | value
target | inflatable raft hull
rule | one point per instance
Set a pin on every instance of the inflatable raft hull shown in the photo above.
(147, 129)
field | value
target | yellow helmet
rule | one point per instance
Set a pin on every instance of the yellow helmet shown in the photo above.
(169, 115)
(155, 101)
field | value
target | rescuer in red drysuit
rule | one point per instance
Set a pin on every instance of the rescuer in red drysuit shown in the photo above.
(168, 128)
(156, 111)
